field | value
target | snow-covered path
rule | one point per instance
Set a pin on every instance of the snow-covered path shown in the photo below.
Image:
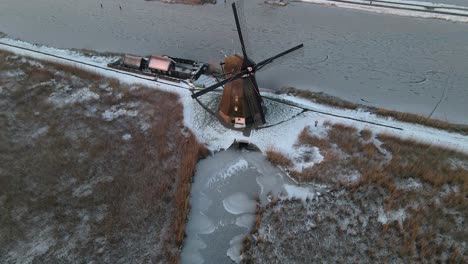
(281, 136)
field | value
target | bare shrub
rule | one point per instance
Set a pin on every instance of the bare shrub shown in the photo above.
(305, 138)
(429, 163)
(365, 134)
(423, 120)
(277, 158)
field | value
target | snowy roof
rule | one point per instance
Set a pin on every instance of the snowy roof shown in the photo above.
(159, 63)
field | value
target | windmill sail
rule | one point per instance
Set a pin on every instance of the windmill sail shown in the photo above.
(241, 104)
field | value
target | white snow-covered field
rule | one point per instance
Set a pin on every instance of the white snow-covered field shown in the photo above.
(281, 136)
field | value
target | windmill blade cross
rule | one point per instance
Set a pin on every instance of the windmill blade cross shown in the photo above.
(221, 83)
(263, 63)
(239, 32)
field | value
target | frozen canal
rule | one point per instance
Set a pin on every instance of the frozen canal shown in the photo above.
(396, 62)
(223, 203)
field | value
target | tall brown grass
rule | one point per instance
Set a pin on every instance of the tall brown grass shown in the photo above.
(277, 158)
(423, 120)
(320, 98)
(429, 163)
(306, 138)
(151, 172)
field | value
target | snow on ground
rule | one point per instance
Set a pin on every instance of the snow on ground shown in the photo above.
(390, 216)
(416, 12)
(298, 192)
(282, 136)
(116, 111)
(62, 97)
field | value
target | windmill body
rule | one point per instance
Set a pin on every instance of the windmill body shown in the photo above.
(241, 104)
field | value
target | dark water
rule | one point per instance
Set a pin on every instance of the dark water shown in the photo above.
(395, 62)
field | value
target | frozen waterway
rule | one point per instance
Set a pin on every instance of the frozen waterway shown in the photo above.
(223, 203)
(396, 62)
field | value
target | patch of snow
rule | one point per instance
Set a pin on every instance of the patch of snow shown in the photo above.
(83, 190)
(239, 203)
(32, 63)
(355, 176)
(144, 126)
(458, 164)
(41, 131)
(39, 244)
(117, 111)
(61, 99)
(298, 192)
(87, 188)
(127, 137)
(234, 250)
(12, 73)
(305, 156)
(105, 87)
(409, 184)
(390, 216)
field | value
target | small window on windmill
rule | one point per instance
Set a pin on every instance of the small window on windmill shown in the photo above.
(236, 99)
(235, 108)
(239, 122)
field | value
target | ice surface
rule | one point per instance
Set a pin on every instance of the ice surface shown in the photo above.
(235, 168)
(245, 220)
(201, 224)
(239, 203)
(234, 249)
(191, 253)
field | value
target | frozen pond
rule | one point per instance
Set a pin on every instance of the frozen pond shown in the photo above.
(396, 62)
(223, 203)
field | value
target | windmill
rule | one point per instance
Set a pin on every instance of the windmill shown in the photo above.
(241, 104)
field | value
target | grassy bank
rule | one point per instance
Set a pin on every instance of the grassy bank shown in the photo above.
(388, 200)
(91, 170)
(322, 98)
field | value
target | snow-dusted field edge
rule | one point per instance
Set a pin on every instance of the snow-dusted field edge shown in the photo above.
(391, 8)
(282, 136)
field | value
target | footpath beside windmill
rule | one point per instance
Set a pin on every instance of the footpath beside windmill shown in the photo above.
(241, 104)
